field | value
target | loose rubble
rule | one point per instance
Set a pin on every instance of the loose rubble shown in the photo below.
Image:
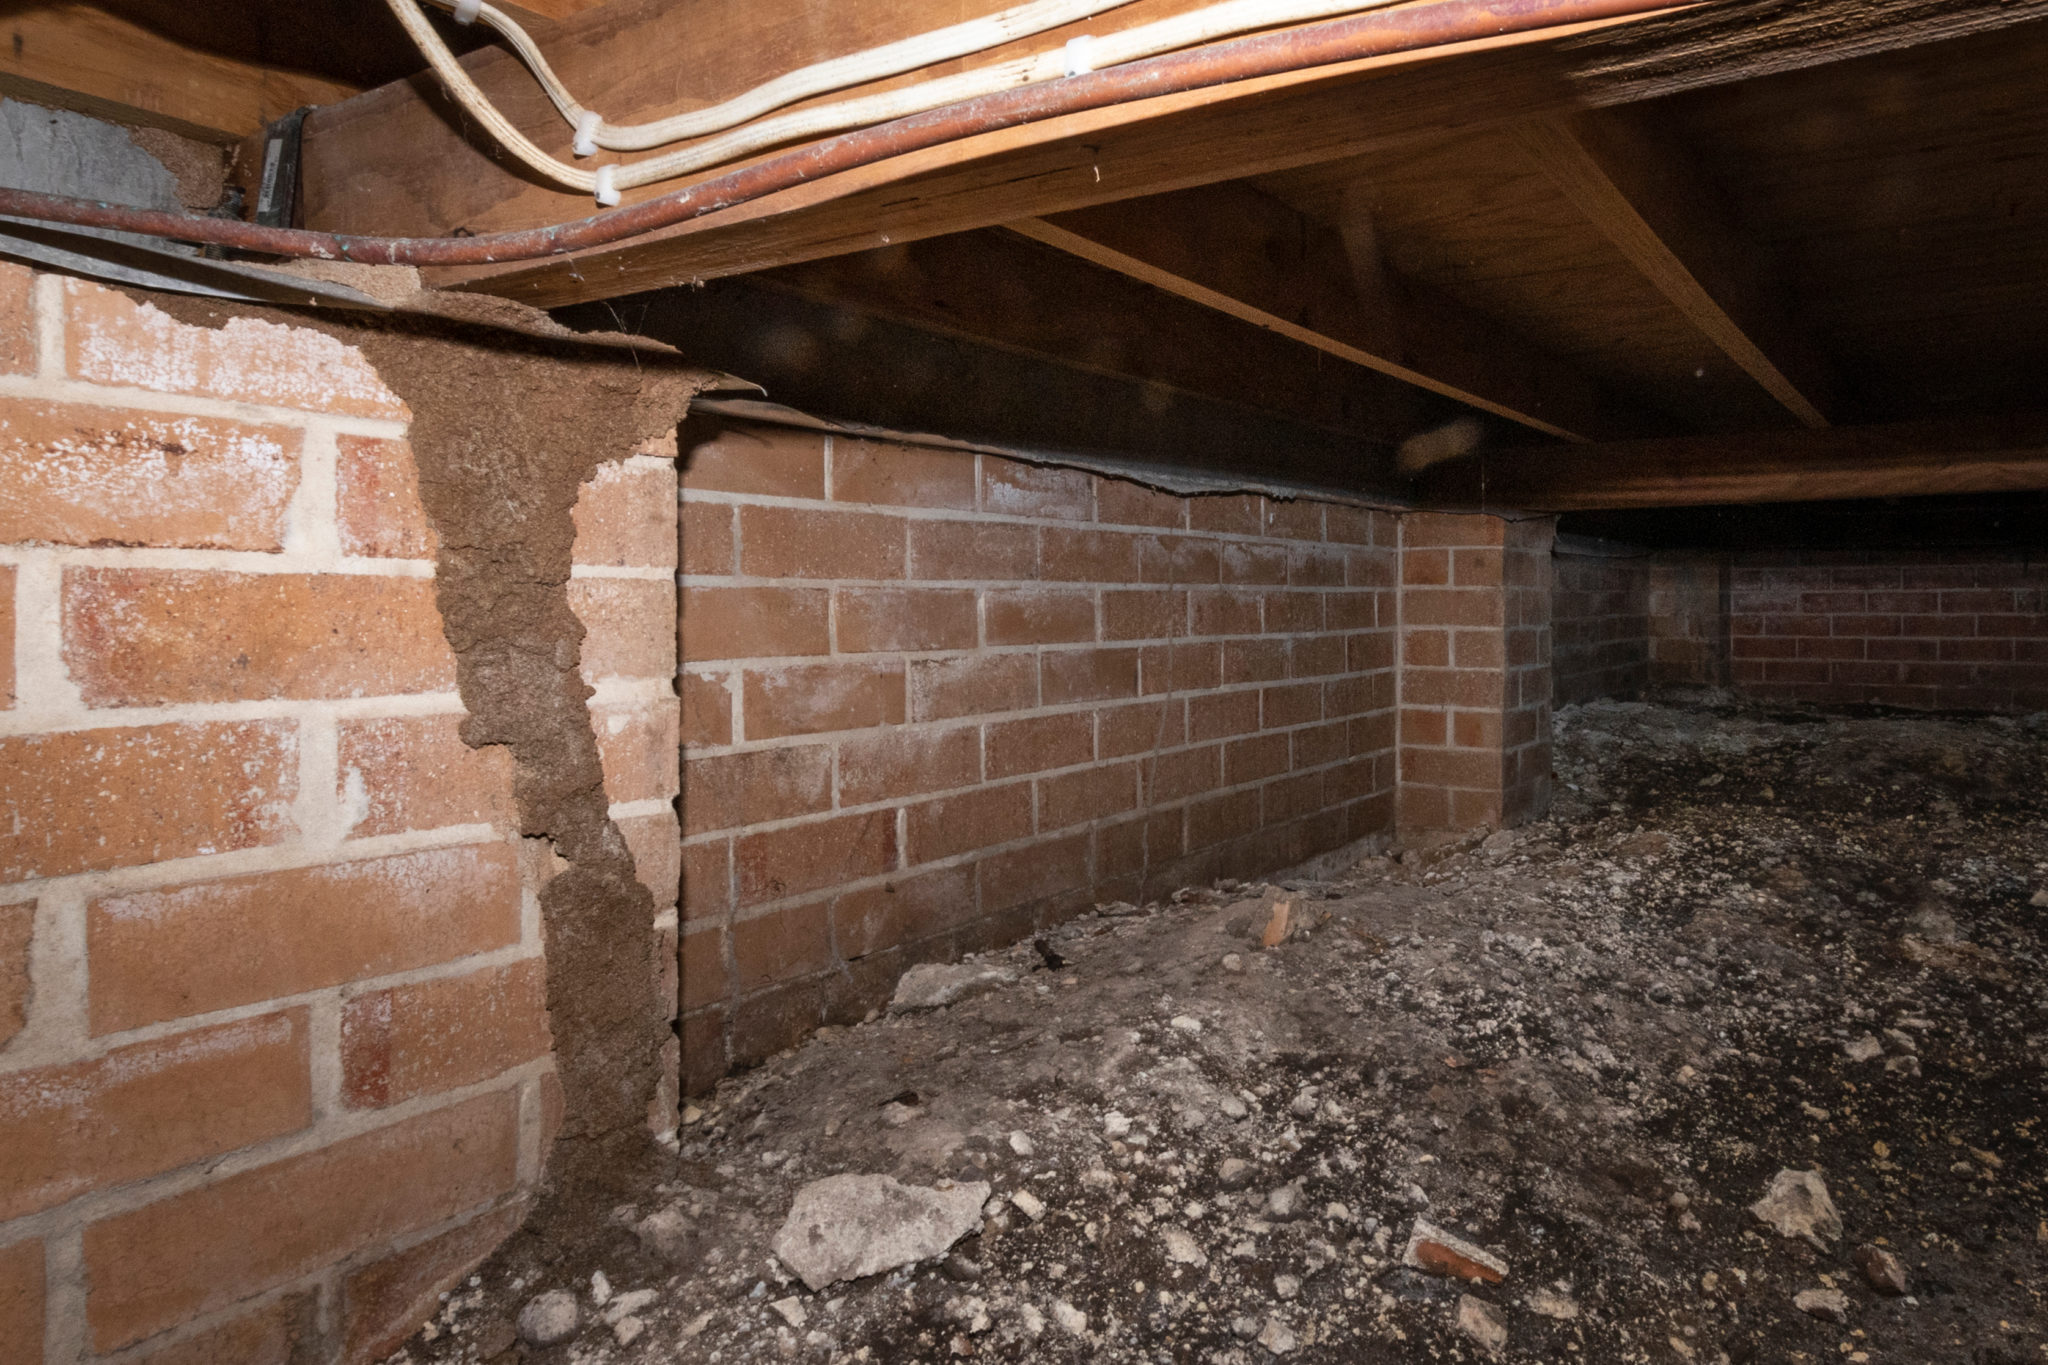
(1583, 1091)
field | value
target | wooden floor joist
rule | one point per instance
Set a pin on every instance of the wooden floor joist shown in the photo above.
(1908, 459)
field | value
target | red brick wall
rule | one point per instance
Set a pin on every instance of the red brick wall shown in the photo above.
(1957, 630)
(1475, 670)
(273, 1053)
(933, 701)
(1600, 625)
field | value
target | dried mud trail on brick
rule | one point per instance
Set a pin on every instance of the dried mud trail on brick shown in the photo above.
(1745, 942)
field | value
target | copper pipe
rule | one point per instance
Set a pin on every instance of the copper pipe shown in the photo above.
(1341, 40)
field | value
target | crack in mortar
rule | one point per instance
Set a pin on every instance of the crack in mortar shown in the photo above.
(506, 428)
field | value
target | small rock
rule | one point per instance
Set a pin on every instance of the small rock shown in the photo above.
(627, 1330)
(1284, 1202)
(1022, 1145)
(1028, 1204)
(1032, 1321)
(1277, 1337)
(792, 1311)
(2040, 900)
(1829, 1304)
(1071, 1319)
(1886, 1272)
(1233, 1107)
(1115, 1125)
(1549, 1303)
(1234, 1174)
(1863, 1049)
(1432, 1249)
(1245, 1328)
(1483, 1322)
(665, 1232)
(1232, 962)
(971, 1313)
(1182, 1248)
(933, 985)
(1185, 1023)
(625, 1305)
(961, 1270)
(1907, 1065)
(1797, 1205)
(600, 1288)
(549, 1318)
(1286, 1286)
(846, 1226)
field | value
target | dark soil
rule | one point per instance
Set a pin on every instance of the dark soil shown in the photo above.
(1587, 1045)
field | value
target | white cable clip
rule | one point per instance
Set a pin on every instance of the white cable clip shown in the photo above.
(586, 133)
(1078, 61)
(607, 188)
(466, 11)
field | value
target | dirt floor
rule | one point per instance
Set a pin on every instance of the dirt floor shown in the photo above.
(1745, 941)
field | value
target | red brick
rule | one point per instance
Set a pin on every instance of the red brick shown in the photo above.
(1829, 649)
(1181, 666)
(1039, 616)
(984, 684)
(1184, 772)
(282, 1331)
(194, 1252)
(1291, 798)
(1253, 660)
(979, 550)
(1451, 528)
(1218, 818)
(1316, 568)
(625, 516)
(1141, 728)
(1033, 873)
(891, 474)
(903, 910)
(1088, 555)
(189, 950)
(709, 538)
(75, 474)
(1024, 490)
(1359, 525)
(1240, 514)
(809, 699)
(1287, 706)
(378, 512)
(86, 799)
(744, 457)
(1294, 519)
(1451, 687)
(1478, 568)
(17, 319)
(139, 637)
(1179, 559)
(1316, 656)
(637, 746)
(1144, 614)
(1252, 564)
(1131, 504)
(977, 819)
(798, 542)
(17, 932)
(732, 791)
(387, 1300)
(1248, 760)
(1478, 649)
(706, 708)
(1089, 794)
(1226, 713)
(871, 620)
(775, 1019)
(775, 864)
(706, 977)
(781, 946)
(1293, 612)
(1316, 745)
(21, 1300)
(1476, 729)
(755, 623)
(152, 1107)
(110, 339)
(6, 636)
(431, 1036)
(1040, 742)
(1074, 675)
(1474, 768)
(414, 772)
(706, 880)
(629, 627)
(907, 763)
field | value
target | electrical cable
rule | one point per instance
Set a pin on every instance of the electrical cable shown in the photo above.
(1407, 28)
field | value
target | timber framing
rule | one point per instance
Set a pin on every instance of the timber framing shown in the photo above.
(1908, 459)
(396, 160)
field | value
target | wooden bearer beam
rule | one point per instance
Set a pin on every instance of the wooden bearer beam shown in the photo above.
(1242, 252)
(1638, 189)
(1909, 459)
